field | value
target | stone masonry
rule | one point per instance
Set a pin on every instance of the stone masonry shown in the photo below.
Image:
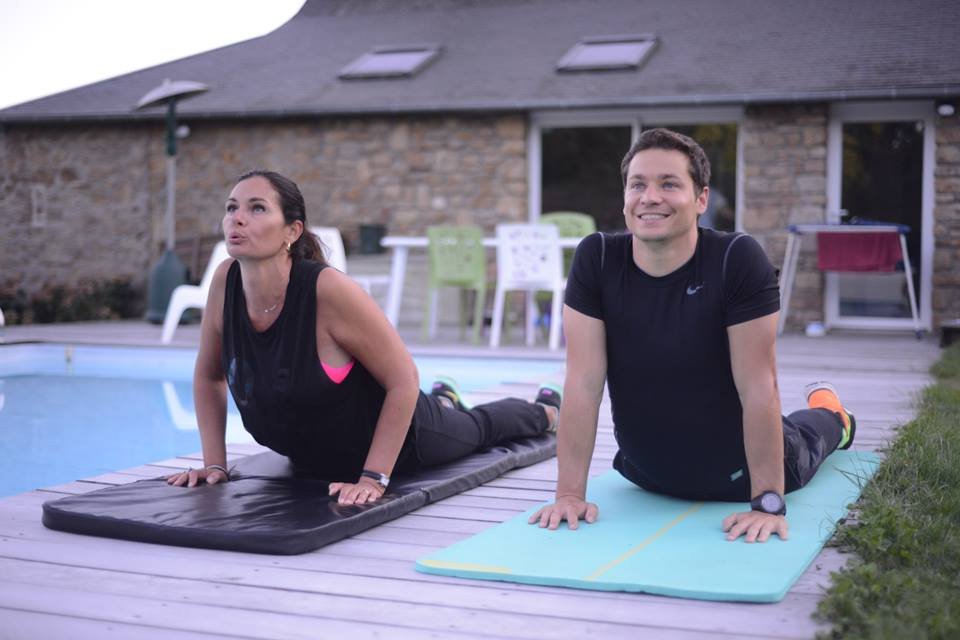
(87, 201)
(785, 169)
(78, 202)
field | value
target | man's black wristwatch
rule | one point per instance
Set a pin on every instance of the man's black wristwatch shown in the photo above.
(379, 478)
(769, 502)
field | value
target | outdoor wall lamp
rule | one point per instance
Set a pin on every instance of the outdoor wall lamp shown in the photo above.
(946, 109)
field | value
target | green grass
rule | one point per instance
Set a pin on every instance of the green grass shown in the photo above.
(905, 580)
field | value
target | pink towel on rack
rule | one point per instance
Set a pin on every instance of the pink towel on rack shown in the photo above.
(858, 251)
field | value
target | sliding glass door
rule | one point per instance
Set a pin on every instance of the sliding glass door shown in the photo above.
(878, 168)
(574, 162)
(581, 171)
(719, 142)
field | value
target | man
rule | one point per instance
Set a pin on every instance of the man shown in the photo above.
(681, 322)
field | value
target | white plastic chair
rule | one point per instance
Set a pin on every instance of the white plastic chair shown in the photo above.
(332, 241)
(528, 259)
(188, 296)
(336, 256)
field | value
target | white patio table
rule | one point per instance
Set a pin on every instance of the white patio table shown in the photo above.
(400, 247)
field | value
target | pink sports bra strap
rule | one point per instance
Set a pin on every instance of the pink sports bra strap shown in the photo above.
(337, 374)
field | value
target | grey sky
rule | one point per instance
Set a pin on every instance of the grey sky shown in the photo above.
(48, 46)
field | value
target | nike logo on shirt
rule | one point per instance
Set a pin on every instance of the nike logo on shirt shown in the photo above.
(692, 290)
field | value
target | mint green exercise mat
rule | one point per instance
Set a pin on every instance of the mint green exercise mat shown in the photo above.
(655, 544)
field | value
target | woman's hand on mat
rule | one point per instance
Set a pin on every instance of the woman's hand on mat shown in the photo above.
(193, 477)
(569, 508)
(361, 492)
(755, 526)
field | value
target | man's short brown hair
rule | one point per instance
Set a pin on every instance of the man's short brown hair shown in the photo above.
(672, 141)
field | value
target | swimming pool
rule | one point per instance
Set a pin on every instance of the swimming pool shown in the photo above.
(69, 412)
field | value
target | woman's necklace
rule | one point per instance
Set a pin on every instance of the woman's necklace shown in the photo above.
(283, 296)
(277, 304)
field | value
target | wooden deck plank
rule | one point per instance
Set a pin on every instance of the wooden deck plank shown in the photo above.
(522, 483)
(286, 571)
(30, 625)
(200, 617)
(263, 570)
(343, 597)
(128, 561)
(114, 478)
(76, 487)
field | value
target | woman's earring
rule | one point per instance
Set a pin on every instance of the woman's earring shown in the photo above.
(289, 246)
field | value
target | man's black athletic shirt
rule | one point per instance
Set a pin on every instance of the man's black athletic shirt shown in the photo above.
(676, 412)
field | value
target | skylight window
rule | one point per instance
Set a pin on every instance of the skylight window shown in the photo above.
(391, 62)
(608, 52)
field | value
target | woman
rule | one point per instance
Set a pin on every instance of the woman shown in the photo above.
(316, 370)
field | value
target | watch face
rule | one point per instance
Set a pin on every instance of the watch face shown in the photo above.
(771, 502)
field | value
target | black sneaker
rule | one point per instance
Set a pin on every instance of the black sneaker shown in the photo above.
(446, 388)
(550, 395)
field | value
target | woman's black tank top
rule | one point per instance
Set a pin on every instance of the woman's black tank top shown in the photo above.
(286, 400)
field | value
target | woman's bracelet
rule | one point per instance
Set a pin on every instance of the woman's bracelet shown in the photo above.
(218, 467)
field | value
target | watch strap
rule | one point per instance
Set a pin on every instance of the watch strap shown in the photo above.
(379, 478)
(756, 504)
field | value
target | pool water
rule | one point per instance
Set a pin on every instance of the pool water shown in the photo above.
(73, 412)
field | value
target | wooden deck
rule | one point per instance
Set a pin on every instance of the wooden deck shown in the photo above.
(58, 585)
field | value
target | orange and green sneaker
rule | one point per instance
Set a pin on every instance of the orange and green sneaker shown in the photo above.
(823, 395)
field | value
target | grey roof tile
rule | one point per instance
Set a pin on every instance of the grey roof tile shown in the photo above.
(502, 55)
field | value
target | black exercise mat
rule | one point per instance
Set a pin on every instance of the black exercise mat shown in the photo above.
(266, 508)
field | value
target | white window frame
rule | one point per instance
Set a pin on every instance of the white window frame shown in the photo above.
(355, 69)
(637, 119)
(570, 62)
(845, 112)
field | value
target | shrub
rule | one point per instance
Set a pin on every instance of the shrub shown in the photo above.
(90, 300)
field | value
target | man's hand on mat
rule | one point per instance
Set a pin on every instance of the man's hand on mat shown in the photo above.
(756, 526)
(361, 492)
(192, 477)
(569, 508)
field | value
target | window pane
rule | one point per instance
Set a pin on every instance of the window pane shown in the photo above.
(605, 55)
(387, 63)
(580, 170)
(719, 142)
(882, 180)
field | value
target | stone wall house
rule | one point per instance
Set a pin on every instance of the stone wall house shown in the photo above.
(803, 115)
(100, 188)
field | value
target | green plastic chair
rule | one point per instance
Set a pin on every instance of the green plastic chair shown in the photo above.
(456, 258)
(571, 224)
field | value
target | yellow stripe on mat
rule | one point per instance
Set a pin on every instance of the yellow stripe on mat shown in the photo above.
(465, 566)
(640, 547)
